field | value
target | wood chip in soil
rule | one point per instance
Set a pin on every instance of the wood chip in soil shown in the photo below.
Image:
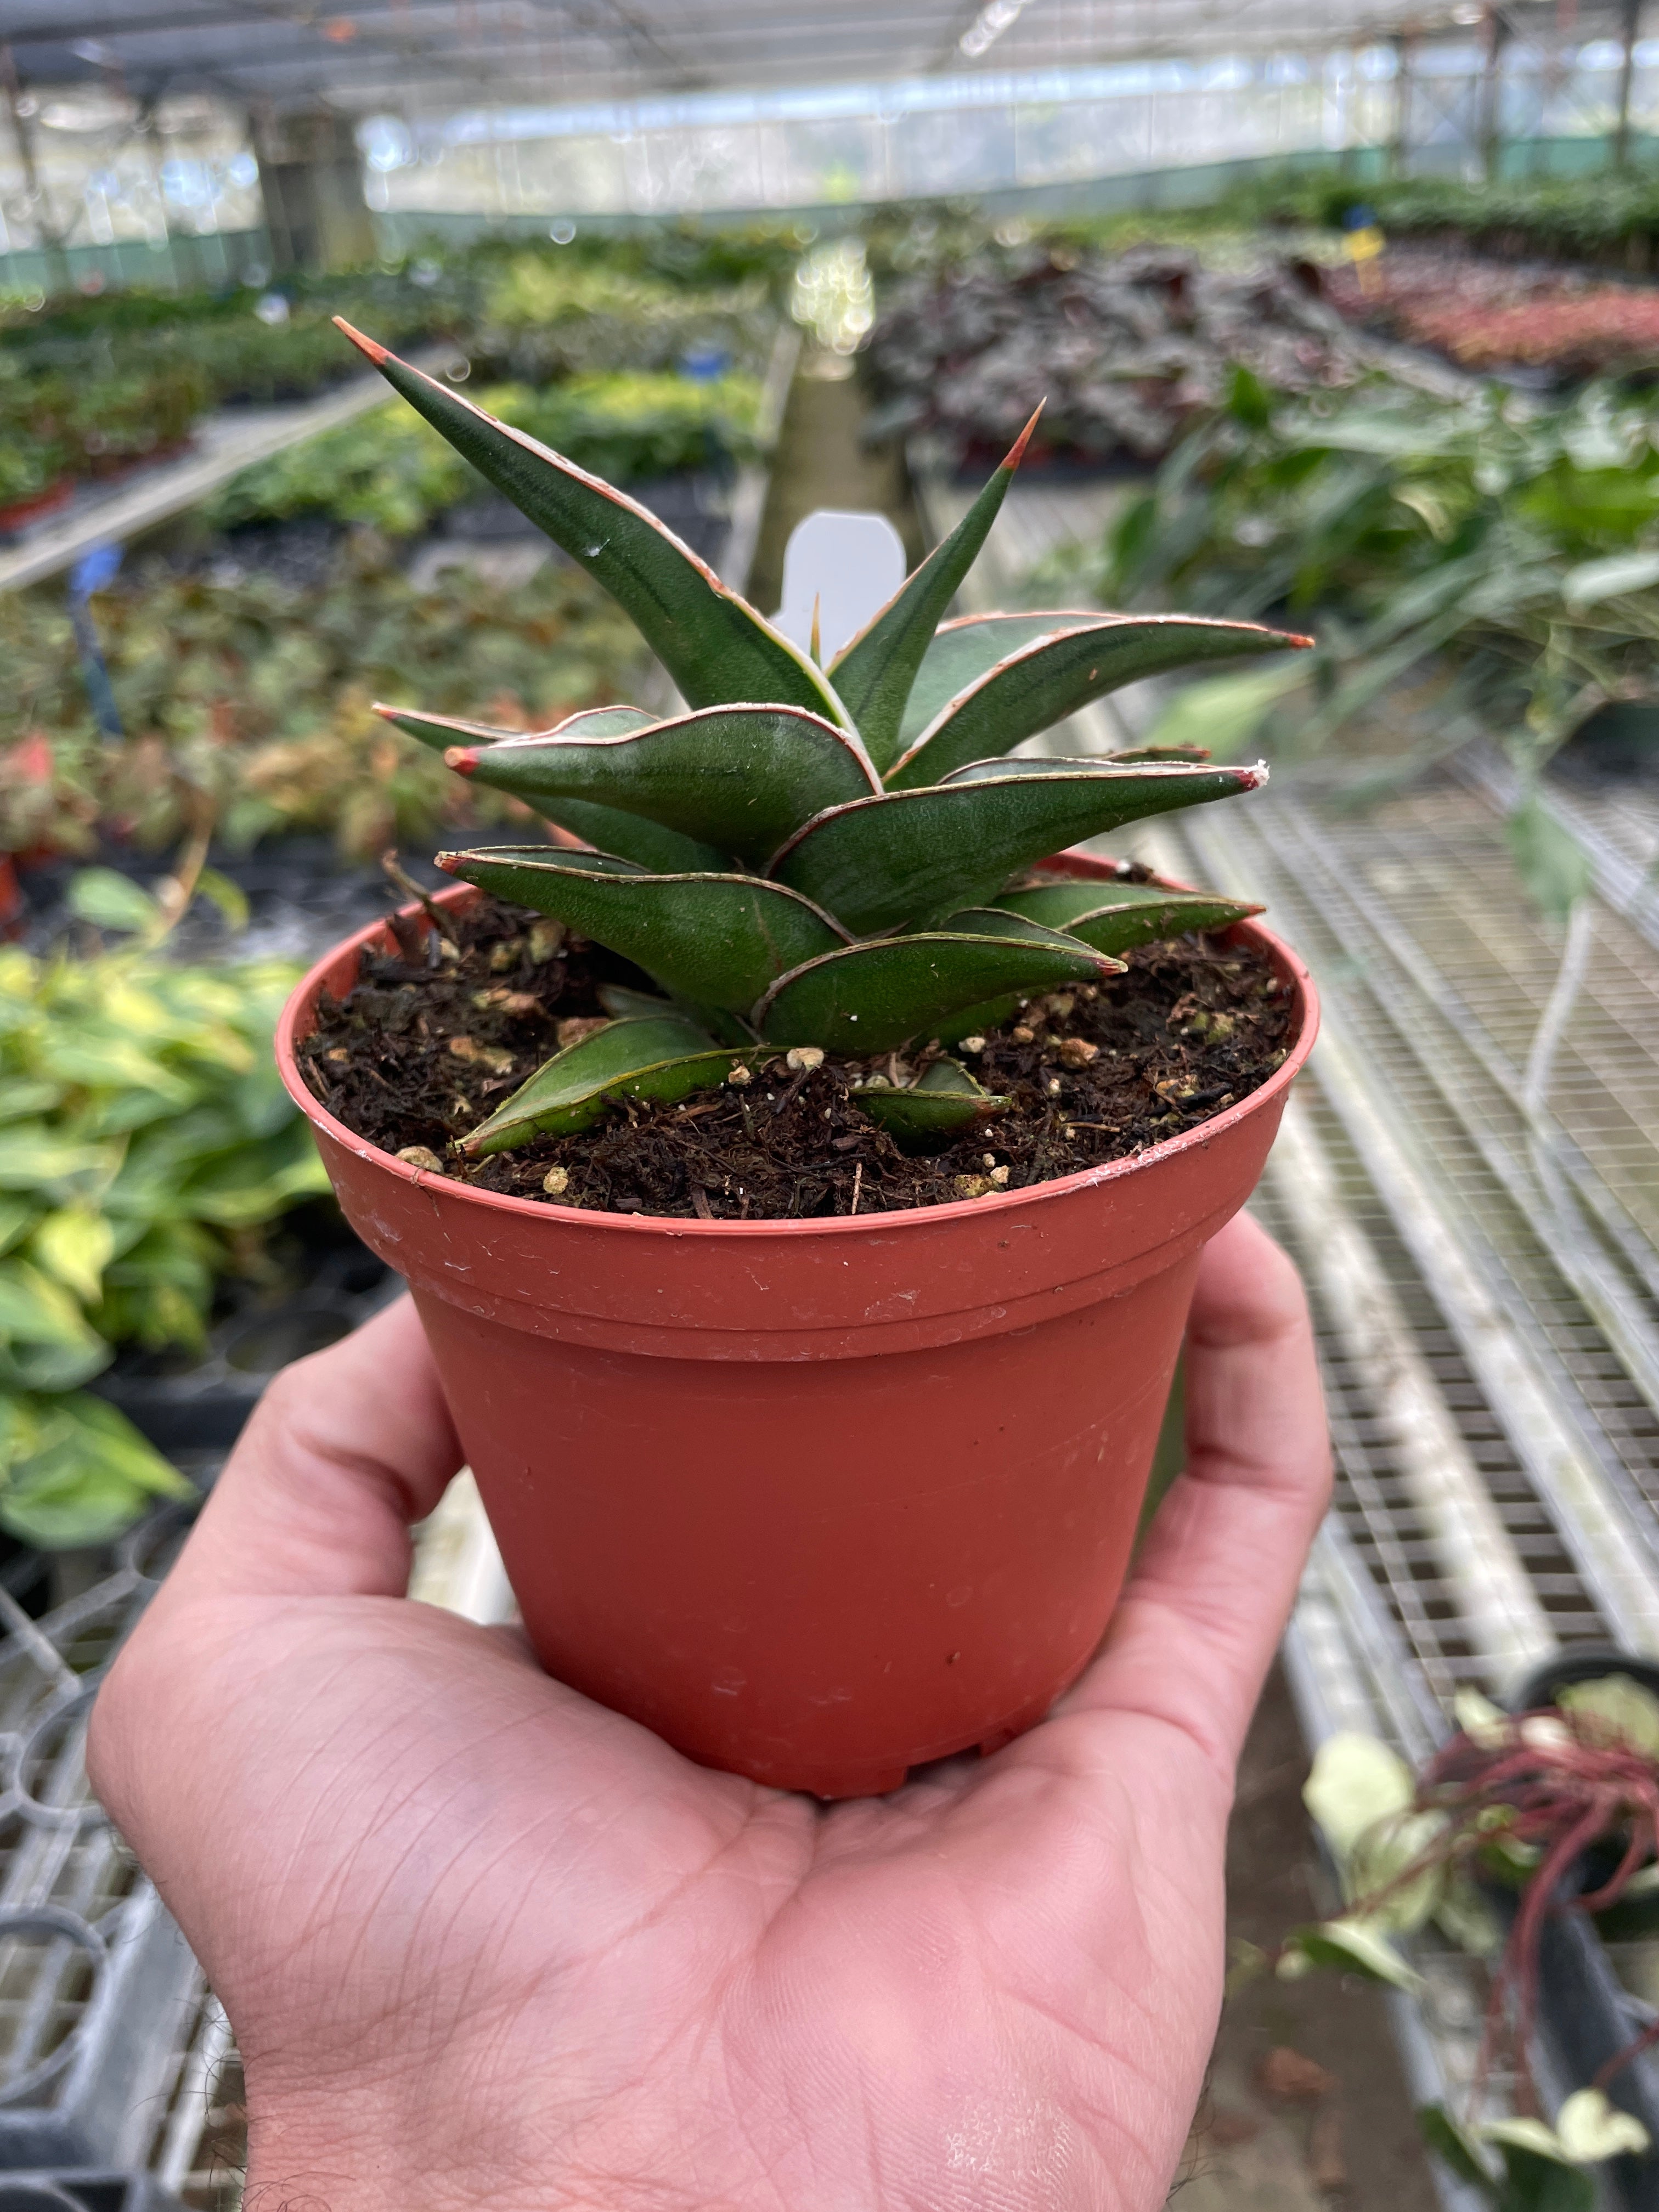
(427, 1044)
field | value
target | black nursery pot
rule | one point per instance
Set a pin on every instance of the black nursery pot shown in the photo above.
(1585, 2013)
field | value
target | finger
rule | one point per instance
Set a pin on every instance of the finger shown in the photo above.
(1198, 1625)
(344, 1451)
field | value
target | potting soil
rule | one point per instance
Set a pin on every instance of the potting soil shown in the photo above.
(424, 1049)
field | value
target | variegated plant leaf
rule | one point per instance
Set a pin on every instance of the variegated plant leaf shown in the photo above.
(719, 939)
(882, 863)
(1114, 917)
(739, 779)
(710, 639)
(873, 996)
(1043, 681)
(874, 671)
(663, 1059)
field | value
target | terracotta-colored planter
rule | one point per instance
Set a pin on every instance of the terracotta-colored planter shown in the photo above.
(815, 1500)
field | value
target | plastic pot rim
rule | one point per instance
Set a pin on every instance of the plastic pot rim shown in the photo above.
(296, 1023)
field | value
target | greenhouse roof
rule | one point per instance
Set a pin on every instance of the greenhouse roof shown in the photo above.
(373, 55)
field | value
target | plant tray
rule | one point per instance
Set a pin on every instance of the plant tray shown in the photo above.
(93, 1974)
(82, 2192)
(204, 1406)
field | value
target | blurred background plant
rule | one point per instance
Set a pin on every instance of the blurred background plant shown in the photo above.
(390, 470)
(146, 1146)
(1484, 563)
(245, 700)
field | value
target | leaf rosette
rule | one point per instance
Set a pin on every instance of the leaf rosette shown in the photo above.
(837, 856)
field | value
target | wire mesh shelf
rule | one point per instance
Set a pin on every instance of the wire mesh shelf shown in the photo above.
(92, 1971)
(1469, 1179)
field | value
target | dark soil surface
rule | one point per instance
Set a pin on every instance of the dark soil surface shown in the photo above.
(423, 1049)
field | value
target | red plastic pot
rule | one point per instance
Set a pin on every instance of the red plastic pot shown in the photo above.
(815, 1500)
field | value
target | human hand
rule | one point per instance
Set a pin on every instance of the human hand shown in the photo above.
(483, 1942)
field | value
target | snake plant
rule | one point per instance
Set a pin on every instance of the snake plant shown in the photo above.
(814, 859)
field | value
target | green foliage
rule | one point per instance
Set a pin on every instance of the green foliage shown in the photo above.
(630, 424)
(385, 471)
(544, 318)
(1541, 2169)
(776, 773)
(1500, 557)
(1571, 217)
(87, 387)
(390, 472)
(713, 645)
(88, 384)
(145, 1141)
(55, 425)
(251, 701)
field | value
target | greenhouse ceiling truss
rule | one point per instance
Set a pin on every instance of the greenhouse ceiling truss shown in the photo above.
(370, 56)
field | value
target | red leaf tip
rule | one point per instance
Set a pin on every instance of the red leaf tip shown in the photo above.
(1295, 637)
(448, 862)
(1017, 450)
(377, 354)
(462, 758)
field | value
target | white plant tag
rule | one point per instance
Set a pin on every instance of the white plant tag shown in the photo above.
(848, 564)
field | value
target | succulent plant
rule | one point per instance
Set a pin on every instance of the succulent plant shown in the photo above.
(816, 860)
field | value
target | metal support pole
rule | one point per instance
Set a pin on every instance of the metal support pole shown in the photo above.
(1405, 81)
(1630, 32)
(22, 130)
(1490, 128)
(148, 137)
(312, 180)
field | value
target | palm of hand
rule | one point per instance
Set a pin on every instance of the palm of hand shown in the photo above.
(483, 1942)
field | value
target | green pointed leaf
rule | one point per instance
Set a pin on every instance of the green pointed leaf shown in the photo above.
(1114, 917)
(742, 779)
(944, 1101)
(626, 1006)
(998, 921)
(440, 731)
(722, 940)
(662, 1059)
(875, 672)
(711, 641)
(965, 650)
(883, 863)
(607, 829)
(871, 998)
(988, 1014)
(1042, 682)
